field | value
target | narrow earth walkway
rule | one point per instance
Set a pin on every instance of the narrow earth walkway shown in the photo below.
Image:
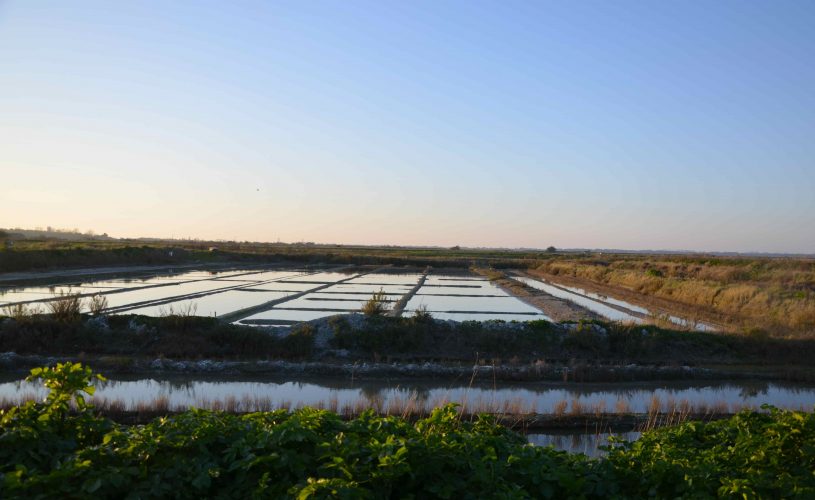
(556, 309)
(399, 306)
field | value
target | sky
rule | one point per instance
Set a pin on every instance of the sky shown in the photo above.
(631, 125)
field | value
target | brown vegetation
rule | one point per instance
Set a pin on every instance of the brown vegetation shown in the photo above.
(773, 294)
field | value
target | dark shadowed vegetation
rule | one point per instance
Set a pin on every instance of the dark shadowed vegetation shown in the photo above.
(61, 448)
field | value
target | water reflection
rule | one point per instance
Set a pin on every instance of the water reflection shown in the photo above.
(588, 443)
(187, 391)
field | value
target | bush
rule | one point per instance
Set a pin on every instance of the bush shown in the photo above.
(656, 273)
(59, 448)
(422, 315)
(182, 318)
(300, 342)
(67, 308)
(377, 305)
(97, 304)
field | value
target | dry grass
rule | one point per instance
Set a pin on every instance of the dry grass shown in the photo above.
(377, 305)
(658, 413)
(97, 304)
(67, 308)
(21, 312)
(776, 294)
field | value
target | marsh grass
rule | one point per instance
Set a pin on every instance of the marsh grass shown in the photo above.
(67, 308)
(413, 405)
(21, 312)
(377, 305)
(97, 304)
(181, 317)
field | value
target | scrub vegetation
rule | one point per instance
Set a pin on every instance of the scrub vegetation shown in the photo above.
(776, 295)
(177, 336)
(530, 350)
(61, 447)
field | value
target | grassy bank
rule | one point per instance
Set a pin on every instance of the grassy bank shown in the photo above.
(537, 350)
(776, 295)
(177, 336)
(386, 339)
(595, 342)
(27, 255)
(61, 447)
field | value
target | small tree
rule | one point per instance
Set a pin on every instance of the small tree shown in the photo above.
(551, 250)
(377, 305)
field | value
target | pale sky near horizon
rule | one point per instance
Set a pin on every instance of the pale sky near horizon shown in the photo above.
(634, 125)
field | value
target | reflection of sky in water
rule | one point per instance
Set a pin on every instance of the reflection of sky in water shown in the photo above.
(284, 315)
(475, 316)
(605, 298)
(470, 304)
(591, 305)
(588, 443)
(542, 398)
(214, 305)
(398, 279)
(446, 296)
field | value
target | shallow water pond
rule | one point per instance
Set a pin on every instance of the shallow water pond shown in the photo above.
(441, 303)
(591, 305)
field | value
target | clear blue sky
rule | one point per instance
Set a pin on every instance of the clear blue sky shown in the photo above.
(684, 125)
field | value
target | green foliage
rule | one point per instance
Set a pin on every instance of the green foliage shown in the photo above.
(656, 273)
(190, 337)
(38, 438)
(751, 455)
(57, 449)
(300, 342)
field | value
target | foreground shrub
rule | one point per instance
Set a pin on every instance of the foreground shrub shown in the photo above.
(59, 448)
(751, 455)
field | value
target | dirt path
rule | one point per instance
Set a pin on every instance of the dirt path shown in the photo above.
(399, 306)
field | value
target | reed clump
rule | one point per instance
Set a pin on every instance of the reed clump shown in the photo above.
(67, 308)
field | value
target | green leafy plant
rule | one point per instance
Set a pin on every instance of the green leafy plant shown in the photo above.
(59, 448)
